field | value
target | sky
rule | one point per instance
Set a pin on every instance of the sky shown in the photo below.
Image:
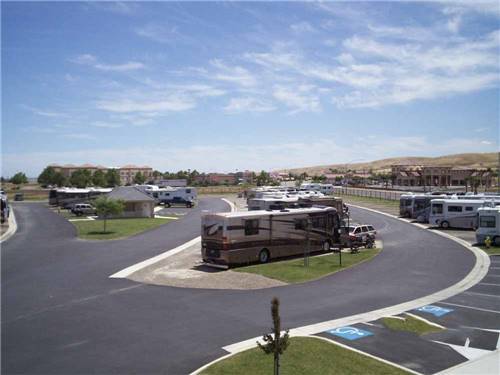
(229, 86)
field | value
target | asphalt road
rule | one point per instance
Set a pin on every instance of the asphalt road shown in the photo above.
(61, 314)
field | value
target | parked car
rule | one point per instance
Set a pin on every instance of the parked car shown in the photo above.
(81, 209)
(178, 201)
(359, 235)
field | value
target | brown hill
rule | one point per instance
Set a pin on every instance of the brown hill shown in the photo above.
(472, 160)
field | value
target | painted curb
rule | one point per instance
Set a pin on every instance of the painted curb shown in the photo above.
(12, 226)
(479, 270)
(126, 272)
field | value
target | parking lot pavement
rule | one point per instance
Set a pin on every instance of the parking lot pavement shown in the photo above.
(403, 348)
(472, 330)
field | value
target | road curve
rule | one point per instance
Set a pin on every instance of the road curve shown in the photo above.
(61, 313)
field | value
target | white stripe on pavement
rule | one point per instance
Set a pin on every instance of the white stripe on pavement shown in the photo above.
(469, 307)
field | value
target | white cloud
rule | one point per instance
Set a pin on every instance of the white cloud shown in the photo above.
(248, 104)
(232, 74)
(298, 99)
(169, 104)
(302, 27)
(159, 33)
(79, 136)
(91, 60)
(131, 65)
(106, 125)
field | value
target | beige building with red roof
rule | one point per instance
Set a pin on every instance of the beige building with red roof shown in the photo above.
(127, 172)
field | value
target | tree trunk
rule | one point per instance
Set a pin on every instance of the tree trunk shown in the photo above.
(276, 364)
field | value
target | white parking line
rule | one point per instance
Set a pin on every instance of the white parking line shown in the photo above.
(483, 294)
(470, 307)
(490, 284)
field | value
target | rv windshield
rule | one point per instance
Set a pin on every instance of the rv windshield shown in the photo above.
(487, 221)
(212, 229)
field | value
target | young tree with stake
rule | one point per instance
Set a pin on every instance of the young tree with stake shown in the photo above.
(276, 344)
(106, 207)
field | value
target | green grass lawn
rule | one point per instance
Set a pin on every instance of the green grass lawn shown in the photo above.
(115, 228)
(493, 250)
(293, 271)
(304, 356)
(410, 324)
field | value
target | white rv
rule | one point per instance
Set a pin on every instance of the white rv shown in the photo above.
(322, 188)
(170, 195)
(270, 203)
(457, 213)
(488, 224)
(244, 237)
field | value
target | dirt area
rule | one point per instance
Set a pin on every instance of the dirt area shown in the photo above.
(185, 270)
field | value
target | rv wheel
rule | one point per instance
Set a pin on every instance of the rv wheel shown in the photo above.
(264, 256)
(445, 224)
(326, 246)
(496, 241)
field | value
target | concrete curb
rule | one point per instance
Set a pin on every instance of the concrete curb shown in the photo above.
(473, 277)
(12, 227)
(126, 272)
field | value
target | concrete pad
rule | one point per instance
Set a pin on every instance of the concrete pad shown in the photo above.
(185, 269)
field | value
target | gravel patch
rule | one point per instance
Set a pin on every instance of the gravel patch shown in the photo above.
(186, 270)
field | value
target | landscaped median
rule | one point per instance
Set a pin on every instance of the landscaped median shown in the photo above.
(115, 228)
(294, 271)
(305, 355)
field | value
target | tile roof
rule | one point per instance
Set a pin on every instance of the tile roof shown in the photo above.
(129, 194)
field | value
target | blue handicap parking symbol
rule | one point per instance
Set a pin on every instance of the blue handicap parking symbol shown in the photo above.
(349, 333)
(434, 310)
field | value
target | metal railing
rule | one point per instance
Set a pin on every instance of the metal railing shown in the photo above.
(369, 193)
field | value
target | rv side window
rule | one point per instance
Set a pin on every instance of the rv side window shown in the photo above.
(487, 221)
(251, 227)
(318, 222)
(468, 208)
(437, 208)
(301, 224)
(454, 208)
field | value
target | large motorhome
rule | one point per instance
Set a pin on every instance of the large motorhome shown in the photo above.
(417, 206)
(457, 213)
(244, 237)
(67, 197)
(488, 225)
(323, 188)
(269, 203)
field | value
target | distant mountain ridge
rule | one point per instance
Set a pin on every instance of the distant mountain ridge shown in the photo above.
(470, 160)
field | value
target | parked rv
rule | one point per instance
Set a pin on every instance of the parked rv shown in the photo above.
(268, 203)
(488, 225)
(457, 213)
(67, 197)
(417, 206)
(243, 237)
(185, 196)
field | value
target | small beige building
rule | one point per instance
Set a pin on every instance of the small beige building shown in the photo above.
(137, 203)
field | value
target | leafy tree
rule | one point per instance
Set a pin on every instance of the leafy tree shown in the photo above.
(263, 178)
(58, 179)
(19, 178)
(99, 178)
(139, 178)
(113, 178)
(106, 207)
(81, 178)
(276, 344)
(47, 176)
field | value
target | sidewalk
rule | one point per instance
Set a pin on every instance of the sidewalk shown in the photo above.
(488, 364)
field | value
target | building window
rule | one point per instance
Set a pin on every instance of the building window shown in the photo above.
(251, 227)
